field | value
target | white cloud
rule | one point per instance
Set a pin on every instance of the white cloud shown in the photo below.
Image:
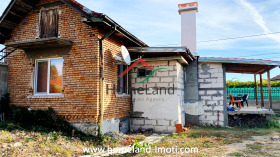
(258, 19)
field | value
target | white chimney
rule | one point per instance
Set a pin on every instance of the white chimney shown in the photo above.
(188, 26)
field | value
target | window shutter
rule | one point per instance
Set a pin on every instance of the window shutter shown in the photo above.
(49, 23)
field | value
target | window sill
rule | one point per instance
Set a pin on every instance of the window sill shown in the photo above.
(122, 95)
(46, 96)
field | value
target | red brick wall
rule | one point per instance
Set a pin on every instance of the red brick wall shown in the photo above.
(81, 71)
(116, 107)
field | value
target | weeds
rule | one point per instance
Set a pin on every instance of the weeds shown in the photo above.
(236, 154)
(141, 148)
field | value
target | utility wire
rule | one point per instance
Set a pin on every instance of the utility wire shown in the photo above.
(223, 39)
(240, 37)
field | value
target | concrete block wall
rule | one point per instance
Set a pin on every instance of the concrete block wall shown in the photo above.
(181, 93)
(211, 83)
(158, 125)
(160, 112)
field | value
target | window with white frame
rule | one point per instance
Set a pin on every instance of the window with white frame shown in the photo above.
(48, 76)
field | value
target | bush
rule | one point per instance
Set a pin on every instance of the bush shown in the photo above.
(39, 119)
(250, 84)
(17, 117)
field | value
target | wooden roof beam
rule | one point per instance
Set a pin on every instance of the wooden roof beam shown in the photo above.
(8, 24)
(261, 70)
(15, 14)
(25, 5)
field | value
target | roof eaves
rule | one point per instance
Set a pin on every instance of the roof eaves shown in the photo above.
(88, 14)
(239, 61)
(99, 17)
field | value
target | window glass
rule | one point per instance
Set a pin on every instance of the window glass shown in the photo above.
(49, 76)
(122, 81)
(141, 73)
(42, 76)
(56, 75)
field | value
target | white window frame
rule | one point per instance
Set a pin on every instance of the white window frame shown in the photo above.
(48, 79)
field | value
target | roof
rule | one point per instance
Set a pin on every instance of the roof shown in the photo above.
(239, 60)
(153, 52)
(18, 9)
(243, 65)
(276, 78)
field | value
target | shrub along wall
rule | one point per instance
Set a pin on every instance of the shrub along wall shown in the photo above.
(250, 84)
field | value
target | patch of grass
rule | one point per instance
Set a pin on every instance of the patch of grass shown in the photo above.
(236, 154)
(27, 140)
(57, 150)
(7, 139)
(209, 139)
(256, 150)
(254, 147)
(194, 135)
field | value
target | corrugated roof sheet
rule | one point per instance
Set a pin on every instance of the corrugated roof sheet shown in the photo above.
(239, 60)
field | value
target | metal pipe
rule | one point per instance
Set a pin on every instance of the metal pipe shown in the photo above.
(102, 77)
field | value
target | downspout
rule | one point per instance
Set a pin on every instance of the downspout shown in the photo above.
(102, 77)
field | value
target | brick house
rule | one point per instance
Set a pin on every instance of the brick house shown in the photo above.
(55, 50)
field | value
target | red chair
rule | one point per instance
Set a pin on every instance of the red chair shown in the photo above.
(235, 101)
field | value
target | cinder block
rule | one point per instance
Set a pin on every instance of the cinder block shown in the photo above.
(160, 128)
(150, 122)
(204, 85)
(138, 121)
(168, 68)
(138, 85)
(151, 85)
(173, 62)
(210, 92)
(215, 98)
(161, 63)
(173, 73)
(201, 76)
(153, 79)
(220, 70)
(212, 118)
(202, 103)
(162, 73)
(220, 75)
(167, 79)
(145, 127)
(217, 85)
(220, 80)
(163, 122)
(206, 97)
(221, 91)
(200, 80)
(162, 84)
(213, 70)
(171, 129)
(135, 127)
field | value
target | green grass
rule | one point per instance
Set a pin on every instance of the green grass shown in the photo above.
(235, 154)
(209, 139)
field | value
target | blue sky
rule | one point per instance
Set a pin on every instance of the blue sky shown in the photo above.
(157, 23)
